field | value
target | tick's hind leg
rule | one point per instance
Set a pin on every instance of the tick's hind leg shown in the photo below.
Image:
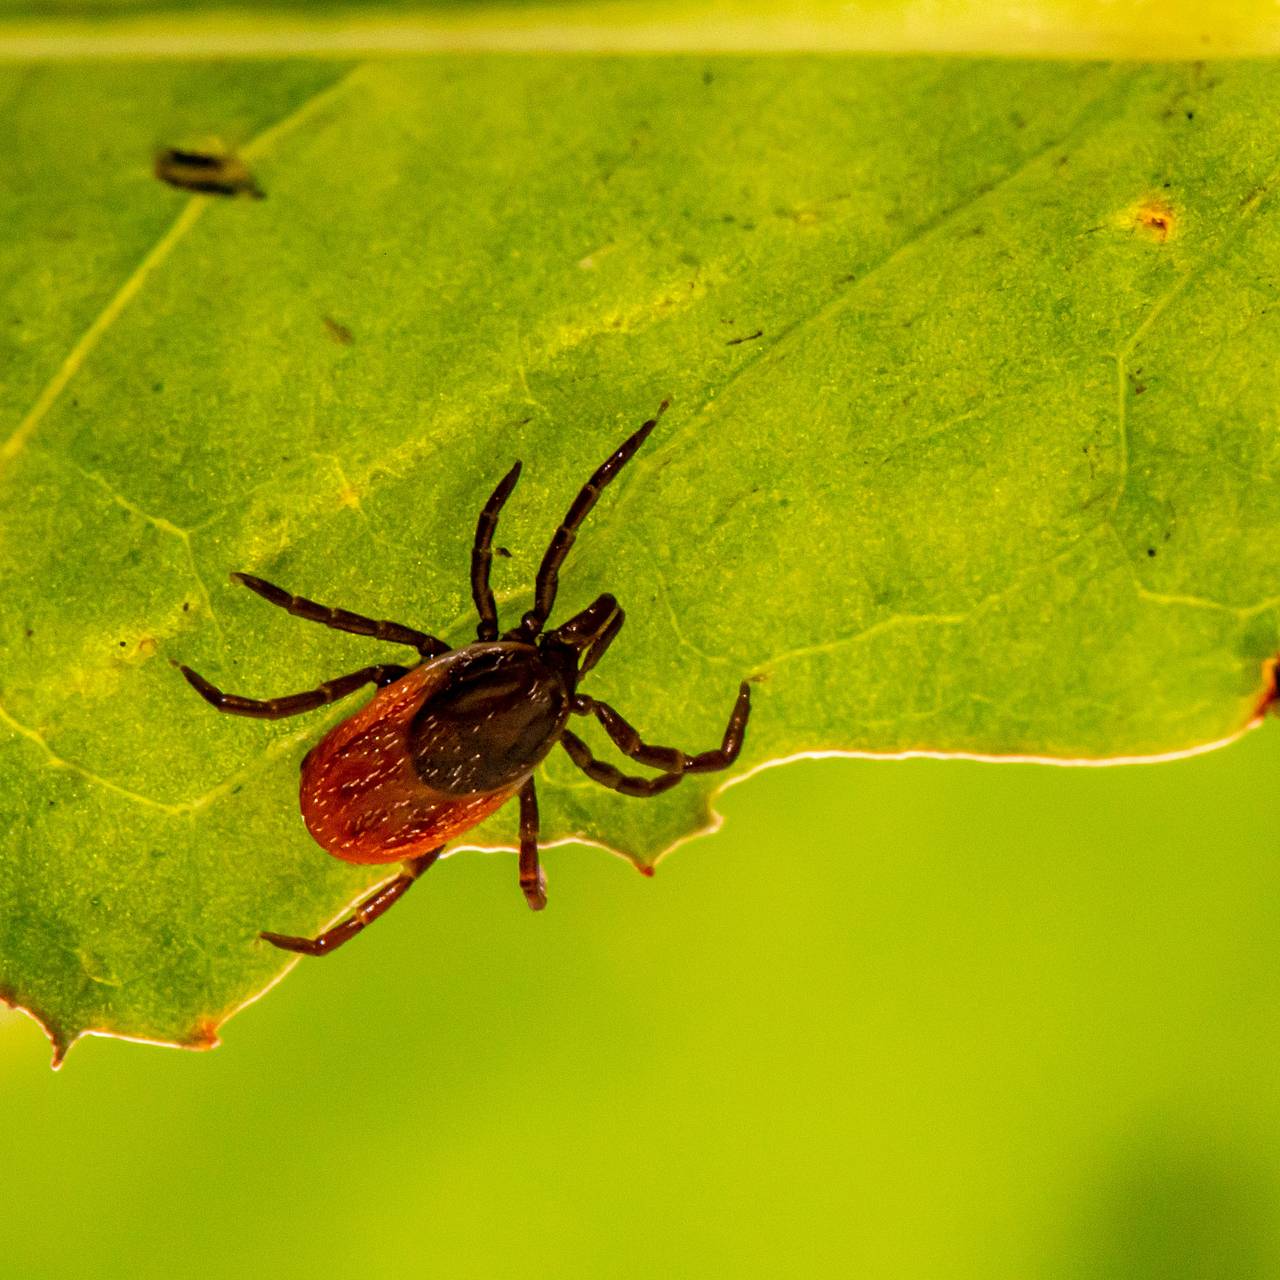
(532, 881)
(366, 912)
(292, 704)
(671, 759)
(342, 619)
(609, 776)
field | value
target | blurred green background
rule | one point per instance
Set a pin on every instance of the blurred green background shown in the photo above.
(896, 1019)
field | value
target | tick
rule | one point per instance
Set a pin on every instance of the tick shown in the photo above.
(445, 742)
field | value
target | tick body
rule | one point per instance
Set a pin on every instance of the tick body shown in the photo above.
(434, 753)
(444, 743)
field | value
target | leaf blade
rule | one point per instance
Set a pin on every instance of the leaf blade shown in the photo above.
(986, 481)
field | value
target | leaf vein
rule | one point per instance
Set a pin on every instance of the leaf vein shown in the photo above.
(56, 761)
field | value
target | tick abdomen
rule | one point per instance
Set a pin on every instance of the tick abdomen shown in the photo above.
(432, 754)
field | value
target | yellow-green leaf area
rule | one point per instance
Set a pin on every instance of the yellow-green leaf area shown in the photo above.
(972, 442)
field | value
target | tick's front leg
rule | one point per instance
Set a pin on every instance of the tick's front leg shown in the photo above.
(293, 704)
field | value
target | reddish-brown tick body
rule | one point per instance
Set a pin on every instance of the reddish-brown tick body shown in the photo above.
(433, 754)
(444, 743)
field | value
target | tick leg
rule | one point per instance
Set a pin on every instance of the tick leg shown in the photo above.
(293, 704)
(365, 914)
(544, 592)
(607, 776)
(343, 619)
(670, 759)
(482, 556)
(532, 881)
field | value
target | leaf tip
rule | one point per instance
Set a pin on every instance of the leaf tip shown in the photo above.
(61, 1046)
(204, 1036)
(60, 1040)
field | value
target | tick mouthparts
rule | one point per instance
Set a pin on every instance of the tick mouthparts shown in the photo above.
(585, 628)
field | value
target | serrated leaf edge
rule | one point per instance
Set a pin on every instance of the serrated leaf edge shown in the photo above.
(205, 1035)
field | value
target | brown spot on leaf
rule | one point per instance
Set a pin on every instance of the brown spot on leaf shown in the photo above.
(337, 331)
(1156, 218)
(140, 650)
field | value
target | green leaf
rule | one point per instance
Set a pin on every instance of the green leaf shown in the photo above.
(972, 443)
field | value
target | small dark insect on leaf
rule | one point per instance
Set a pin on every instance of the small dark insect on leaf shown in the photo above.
(206, 172)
